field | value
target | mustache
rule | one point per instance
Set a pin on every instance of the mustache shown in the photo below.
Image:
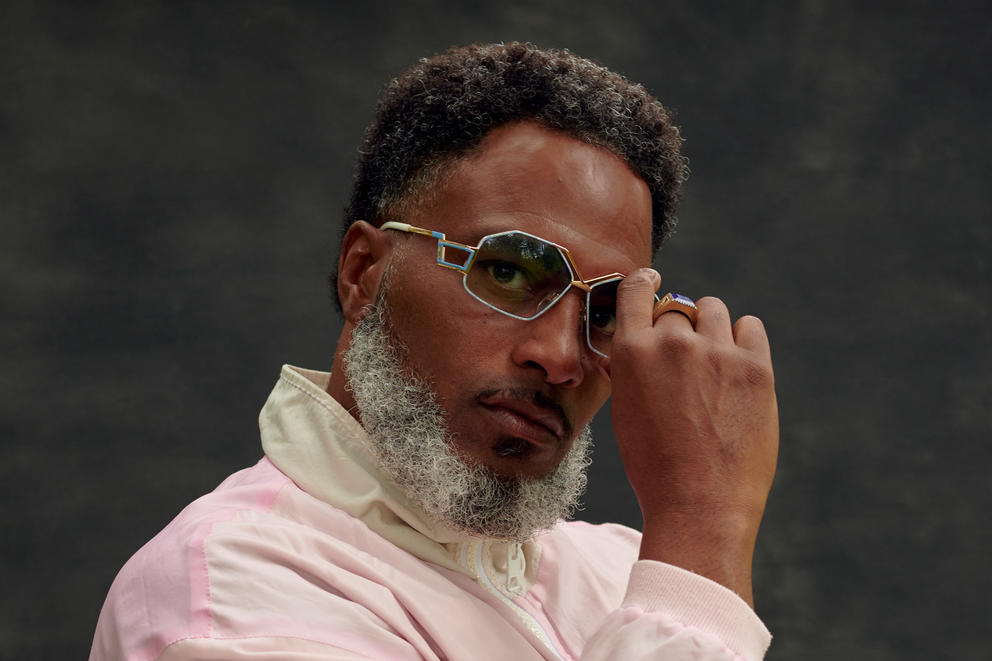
(534, 397)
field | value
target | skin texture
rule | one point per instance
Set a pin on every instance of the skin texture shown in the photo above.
(696, 419)
(693, 410)
(483, 364)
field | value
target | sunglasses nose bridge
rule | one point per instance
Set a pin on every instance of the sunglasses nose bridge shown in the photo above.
(554, 297)
(567, 311)
(581, 290)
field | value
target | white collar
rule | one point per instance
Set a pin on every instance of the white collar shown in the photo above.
(311, 438)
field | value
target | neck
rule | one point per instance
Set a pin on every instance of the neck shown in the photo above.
(337, 387)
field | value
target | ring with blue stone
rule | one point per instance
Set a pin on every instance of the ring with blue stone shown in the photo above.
(672, 302)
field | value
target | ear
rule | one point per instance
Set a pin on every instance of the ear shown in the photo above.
(364, 255)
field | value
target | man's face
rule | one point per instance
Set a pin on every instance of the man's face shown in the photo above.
(516, 393)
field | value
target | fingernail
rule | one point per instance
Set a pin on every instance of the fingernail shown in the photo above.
(652, 275)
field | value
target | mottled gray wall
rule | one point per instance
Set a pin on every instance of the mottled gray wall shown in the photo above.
(171, 175)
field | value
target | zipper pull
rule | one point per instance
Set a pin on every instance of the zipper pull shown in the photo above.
(514, 569)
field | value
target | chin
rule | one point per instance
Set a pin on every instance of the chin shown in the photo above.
(515, 458)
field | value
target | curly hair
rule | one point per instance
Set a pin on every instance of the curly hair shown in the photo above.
(440, 110)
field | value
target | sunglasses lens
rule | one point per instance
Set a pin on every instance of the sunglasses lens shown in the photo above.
(601, 313)
(518, 274)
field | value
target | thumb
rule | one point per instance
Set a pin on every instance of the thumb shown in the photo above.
(635, 300)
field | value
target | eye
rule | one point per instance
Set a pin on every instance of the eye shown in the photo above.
(507, 275)
(603, 320)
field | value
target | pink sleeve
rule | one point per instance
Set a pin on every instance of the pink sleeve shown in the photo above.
(671, 613)
(274, 647)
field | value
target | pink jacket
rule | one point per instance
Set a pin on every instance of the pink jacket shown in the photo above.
(312, 554)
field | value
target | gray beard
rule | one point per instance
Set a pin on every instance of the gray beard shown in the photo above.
(409, 435)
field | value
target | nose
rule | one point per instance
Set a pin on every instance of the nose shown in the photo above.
(554, 342)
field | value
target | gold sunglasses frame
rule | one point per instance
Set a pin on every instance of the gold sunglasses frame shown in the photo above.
(443, 244)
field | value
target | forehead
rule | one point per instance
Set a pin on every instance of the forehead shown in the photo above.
(549, 184)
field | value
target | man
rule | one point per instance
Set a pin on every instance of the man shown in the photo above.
(410, 503)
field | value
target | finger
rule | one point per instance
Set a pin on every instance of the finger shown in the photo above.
(677, 303)
(674, 318)
(635, 300)
(714, 319)
(749, 333)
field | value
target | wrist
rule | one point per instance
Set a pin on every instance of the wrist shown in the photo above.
(718, 548)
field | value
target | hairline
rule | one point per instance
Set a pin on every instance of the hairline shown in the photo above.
(423, 187)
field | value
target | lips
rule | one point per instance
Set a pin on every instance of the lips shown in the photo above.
(523, 418)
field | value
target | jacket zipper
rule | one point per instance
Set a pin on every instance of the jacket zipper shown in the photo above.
(528, 619)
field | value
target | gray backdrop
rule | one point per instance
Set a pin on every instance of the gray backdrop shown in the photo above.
(172, 175)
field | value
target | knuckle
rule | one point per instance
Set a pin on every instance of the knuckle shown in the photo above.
(714, 309)
(757, 374)
(676, 345)
(642, 347)
(711, 303)
(732, 366)
(717, 359)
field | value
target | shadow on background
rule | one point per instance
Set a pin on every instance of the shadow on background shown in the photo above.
(171, 180)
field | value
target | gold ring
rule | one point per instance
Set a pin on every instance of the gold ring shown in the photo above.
(672, 302)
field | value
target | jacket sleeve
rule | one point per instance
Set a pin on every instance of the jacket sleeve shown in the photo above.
(275, 647)
(373, 644)
(671, 613)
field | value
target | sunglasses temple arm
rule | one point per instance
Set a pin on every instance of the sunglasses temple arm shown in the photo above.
(406, 227)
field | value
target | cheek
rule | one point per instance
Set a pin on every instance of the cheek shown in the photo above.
(591, 397)
(447, 332)
(459, 345)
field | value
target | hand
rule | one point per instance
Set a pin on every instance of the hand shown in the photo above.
(696, 419)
